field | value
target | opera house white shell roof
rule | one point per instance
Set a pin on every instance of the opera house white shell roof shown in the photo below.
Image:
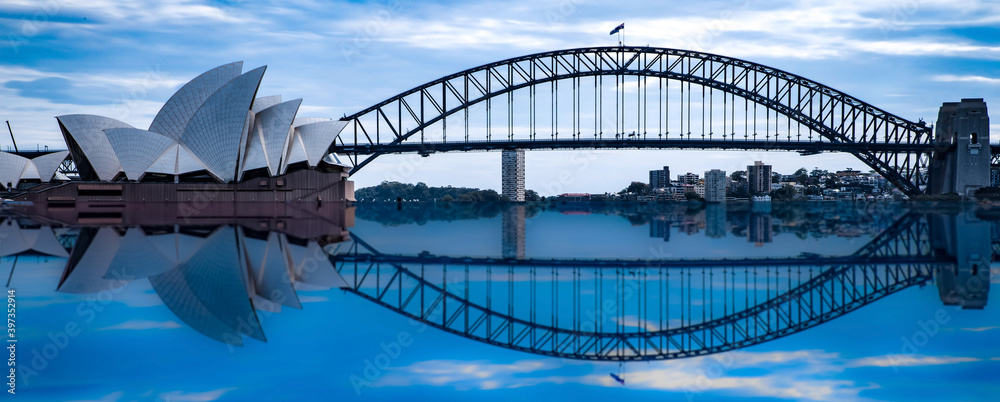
(213, 125)
(15, 168)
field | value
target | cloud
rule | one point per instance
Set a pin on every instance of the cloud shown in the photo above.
(966, 78)
(54, 89)
(793, 375)
(141, 325)
(112, 397)
(313, 299)
(180, 396)
(980, 329)
(909, 361)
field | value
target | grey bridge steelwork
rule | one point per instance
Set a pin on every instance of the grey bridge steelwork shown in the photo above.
(898, 258)
(823, 118)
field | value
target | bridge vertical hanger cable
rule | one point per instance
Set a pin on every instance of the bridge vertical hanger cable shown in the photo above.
(555, 94)
(725, 103)
(576, 114)
(466, 109)
(510, 103)
(680, 116)
(711, 113)
(617, 78)
(489, 105)
(659, 104)
(689, 72)
(640, 101)
(531, 102)
(767, 113)
(754, 109)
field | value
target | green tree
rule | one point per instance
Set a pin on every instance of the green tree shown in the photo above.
(692, 196)
(637, 187)
(531, 195)
(801, 176)
(785, 193)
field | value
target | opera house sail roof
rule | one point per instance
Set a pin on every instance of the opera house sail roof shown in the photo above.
(214, 127)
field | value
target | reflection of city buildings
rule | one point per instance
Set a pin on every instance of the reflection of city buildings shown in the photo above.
(715, 221)
(759, 229)
(660, 228)
(513, 232)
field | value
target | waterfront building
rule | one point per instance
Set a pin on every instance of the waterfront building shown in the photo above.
(715, 185)
(687, 178)
(759, 178)
(659, 178)
(512, 176)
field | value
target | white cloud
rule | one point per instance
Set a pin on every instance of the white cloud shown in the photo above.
(909, 361)
(112, 397)
(181, 396)
(181, 12)
(141, 325)
(967, 78)
(980, 329)
(794, 375)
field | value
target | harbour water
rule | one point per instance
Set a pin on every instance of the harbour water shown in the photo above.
(811, 301)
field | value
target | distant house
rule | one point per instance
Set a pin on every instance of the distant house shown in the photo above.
(573, 197)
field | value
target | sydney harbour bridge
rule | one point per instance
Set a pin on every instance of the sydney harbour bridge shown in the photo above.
(657, 98)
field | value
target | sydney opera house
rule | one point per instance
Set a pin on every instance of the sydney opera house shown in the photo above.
(213, 140)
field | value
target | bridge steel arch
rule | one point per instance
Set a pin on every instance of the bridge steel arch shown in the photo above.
(893, 146)
(836, 291)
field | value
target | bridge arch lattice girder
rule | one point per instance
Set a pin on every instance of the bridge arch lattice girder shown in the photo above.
(833, 115)
(836, 291)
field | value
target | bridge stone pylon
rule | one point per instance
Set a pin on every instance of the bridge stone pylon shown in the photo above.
(961, 161)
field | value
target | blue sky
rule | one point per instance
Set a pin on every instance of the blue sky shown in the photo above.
(124, 59)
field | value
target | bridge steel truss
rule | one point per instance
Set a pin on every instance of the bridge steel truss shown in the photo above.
(837, 290)
(893, 146)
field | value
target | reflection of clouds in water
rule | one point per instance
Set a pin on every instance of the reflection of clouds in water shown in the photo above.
(805, 374)
(142, 325)
(980, 329)
(699, 374)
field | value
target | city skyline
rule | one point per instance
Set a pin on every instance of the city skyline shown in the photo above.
(367, 42)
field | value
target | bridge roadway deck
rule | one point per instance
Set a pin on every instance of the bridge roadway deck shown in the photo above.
(804, 147)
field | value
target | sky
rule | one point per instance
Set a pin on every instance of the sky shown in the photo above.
(124, 59)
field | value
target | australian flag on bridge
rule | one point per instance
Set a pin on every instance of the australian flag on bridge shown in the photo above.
(618, 28)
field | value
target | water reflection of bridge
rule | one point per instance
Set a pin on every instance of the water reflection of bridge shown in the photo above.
(220, 279)
(664, 309)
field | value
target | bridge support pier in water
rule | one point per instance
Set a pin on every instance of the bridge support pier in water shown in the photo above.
(961, 160)
(968, 242)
